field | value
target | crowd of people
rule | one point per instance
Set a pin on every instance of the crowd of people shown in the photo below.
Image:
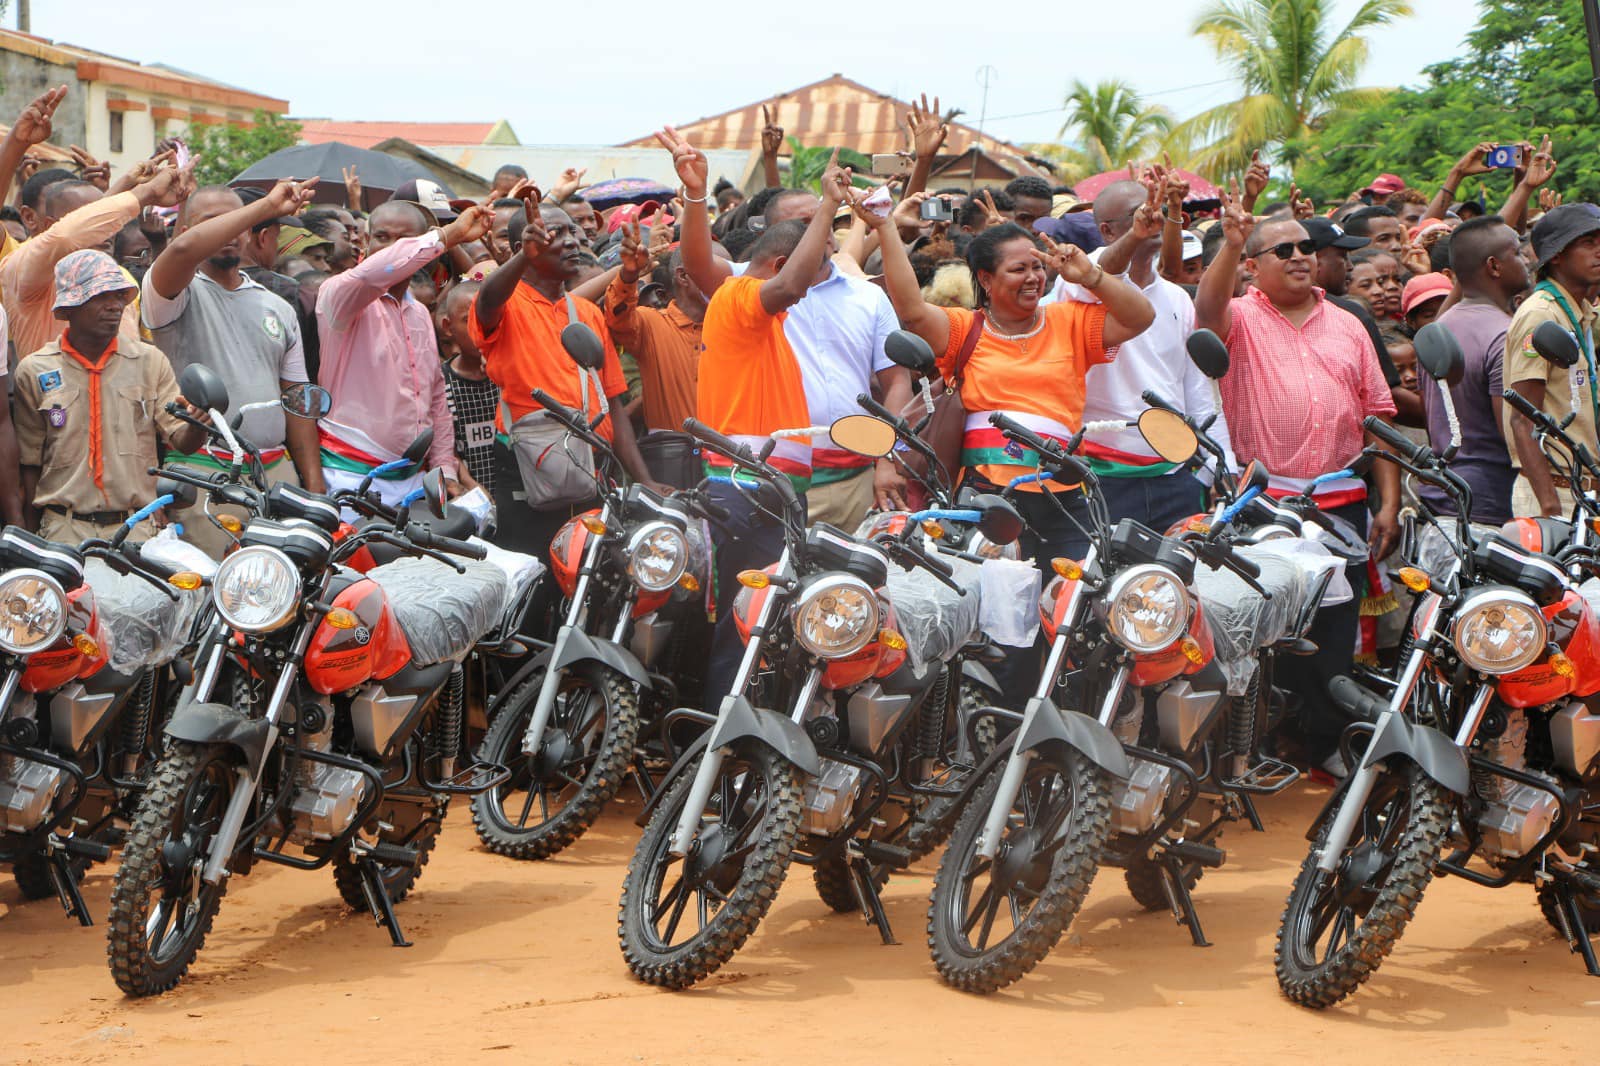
(770, 312)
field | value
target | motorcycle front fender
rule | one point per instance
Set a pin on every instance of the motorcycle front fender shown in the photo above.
(218, 723)
(742, 721)
(1430, 749)
(976, 672)
(1045, 725)
(581, 647)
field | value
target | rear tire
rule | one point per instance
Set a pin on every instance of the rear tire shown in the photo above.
(33, 875)
(836, 884)
(398, 879)
(1147, 883)
(1588, 905)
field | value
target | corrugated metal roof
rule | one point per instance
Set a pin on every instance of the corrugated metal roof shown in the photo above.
(545, 162)
(363, 134)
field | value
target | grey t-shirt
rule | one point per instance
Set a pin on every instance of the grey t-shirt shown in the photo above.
(247, 336)
(1483, 461)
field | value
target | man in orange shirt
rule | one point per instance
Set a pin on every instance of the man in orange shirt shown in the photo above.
(750, 387)
(516, 321)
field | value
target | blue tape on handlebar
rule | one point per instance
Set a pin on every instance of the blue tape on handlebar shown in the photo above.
(391, 466)
(149, 509)
(1337, 475)
(412, 497)
(939, 515)
(1240, 504)
(1031, 479)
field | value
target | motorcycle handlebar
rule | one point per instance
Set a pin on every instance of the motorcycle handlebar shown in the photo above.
(423, 537)
(1152, 399)
(1050, 454)
(1419, 454)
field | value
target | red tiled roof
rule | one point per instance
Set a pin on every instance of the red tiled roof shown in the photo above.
(367, 134)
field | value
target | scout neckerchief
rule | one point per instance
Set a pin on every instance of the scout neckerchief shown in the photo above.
(97, 459)
(1585, 340)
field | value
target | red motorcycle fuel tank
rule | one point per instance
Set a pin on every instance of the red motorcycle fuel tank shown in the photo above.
(566, 551)
(1572, 627)
(340, 659)
(65, 661)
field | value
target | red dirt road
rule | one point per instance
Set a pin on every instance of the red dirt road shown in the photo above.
(518, 962)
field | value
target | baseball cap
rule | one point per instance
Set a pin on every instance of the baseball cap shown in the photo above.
(250, 195)
(1560, 226)
(1330, 234)
(429, 194)
(1193, 246)
(83, 275)
(1427, 224)
(1075, 227)
(295, 239)
(1422, 288)
(1386, 184)
(641, 213)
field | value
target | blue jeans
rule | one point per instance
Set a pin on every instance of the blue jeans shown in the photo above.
(1156, 502)
(745, 540)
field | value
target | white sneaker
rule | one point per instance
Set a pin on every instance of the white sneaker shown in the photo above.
(1334, 766)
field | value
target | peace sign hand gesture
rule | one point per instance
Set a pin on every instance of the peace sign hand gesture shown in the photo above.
(690, 162)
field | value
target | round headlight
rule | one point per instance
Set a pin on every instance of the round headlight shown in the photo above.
(658, 553)
(256, 589)
(33, 611)
(1147, 608)
(1499, 631)
(837, 617)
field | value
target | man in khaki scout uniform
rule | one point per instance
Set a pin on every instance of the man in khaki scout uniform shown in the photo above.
(88, 408)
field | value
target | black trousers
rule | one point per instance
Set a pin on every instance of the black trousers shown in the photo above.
(745, 540)
(1334, 632)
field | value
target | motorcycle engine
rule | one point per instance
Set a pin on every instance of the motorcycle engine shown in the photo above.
(1515, 815)
(326, 797)
(830, 797)
(1137, 802)
(27, 792)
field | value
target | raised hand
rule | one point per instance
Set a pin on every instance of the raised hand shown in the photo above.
(169, 186)
(1237, 222)
(928, 131)
(1473, 161)
(1541, 165)
(1147, 220)
(687, 160)
(141, 171)
(1068, 261)
(635, 256)
(92, 170)
(352, 186)
(1174, 188)
(660, 243)
(991, 213)
(1549, 199)
(33, 125)
(835, 181)
(1256, 178)
(471, 225)
(1303, 207)
(906, 216)
(290, 197)
(771, 133)
(569, 185)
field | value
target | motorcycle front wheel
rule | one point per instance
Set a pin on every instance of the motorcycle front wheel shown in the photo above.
(682, 918)
(990, 921)
(161, 910)
(1337, 928)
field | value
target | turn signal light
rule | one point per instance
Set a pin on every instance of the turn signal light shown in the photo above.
(231, 523)
(1193, 651)
(187, 580)
(1415, 579)
(1562, 665)
(932, 528)
(1594, 524)
(342, 618)
(891, 640)
(1067, 568)
(689, 582)
(755, 579)
(594, 524)
(86, 645)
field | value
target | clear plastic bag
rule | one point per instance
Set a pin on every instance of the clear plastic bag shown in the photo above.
(165, 548)
(1010, 602)
(142, 625)
(443, 613)
(1241, 620)
(1435, 557)
(934, 618)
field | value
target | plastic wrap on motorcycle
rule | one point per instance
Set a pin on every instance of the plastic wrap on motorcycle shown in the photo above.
(936, 620)
(742, 720)
(581, 647)
(1242, 621)
(143, 625)
(443, 613)
(1045, 723)
(217, 723)
(1430, 749)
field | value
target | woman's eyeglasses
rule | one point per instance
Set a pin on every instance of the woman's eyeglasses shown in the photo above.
(1286, 250)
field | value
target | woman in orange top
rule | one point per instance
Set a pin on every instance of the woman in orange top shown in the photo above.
(1028, 361)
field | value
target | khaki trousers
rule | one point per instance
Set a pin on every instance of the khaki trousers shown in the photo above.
(73, 531)
(1524, 504)
(842, 504)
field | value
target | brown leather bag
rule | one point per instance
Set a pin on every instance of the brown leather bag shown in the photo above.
(949, 422)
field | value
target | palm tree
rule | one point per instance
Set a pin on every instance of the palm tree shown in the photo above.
(1113, 125)
(1298, 70)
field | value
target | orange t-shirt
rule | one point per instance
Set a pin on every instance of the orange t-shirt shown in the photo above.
(524, 353)
(1042, 385)
(749, 379)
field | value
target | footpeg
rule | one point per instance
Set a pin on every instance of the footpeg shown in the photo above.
(890, 855)
(1196, 852)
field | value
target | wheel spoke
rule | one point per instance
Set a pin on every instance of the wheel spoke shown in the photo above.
(1016, 910)
(988, 919)
(527, 808)
(700, 903)
(670, 896)
(979, 907)
(677, 912)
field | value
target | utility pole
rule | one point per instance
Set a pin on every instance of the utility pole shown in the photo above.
(24, 16)
(986, 75)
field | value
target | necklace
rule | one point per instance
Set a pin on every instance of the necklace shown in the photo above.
(1020, 339)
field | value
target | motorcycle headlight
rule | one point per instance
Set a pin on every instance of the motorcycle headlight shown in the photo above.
(33, 611)
(1499, 631)
(256, 589)
(658, 553)
(1147, 608)
(837, 617)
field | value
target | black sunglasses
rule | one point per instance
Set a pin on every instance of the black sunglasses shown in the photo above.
(1286, 250)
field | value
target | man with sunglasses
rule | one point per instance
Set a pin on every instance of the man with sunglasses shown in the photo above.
(1302, 376)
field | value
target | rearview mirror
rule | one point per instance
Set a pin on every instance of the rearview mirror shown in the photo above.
(419, 448)
(306, 400)
(1439, 353)
(183, 494)
(435, 494)
(1208, 352)
(1001, 523)
(203, 388)
(1555, 344)
(906, 349)
(1254, 477)
(863, 435)
(1168, 435)
(583, 345)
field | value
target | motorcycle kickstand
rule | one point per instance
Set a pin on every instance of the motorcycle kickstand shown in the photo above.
(66, 886)
(1180, 899)
(378, 901)
(868, 897)
(1577, 936)
(1250, 812)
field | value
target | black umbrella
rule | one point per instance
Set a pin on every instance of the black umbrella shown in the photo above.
(380, 174)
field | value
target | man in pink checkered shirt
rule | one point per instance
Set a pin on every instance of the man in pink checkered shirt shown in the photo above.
(1302, 375)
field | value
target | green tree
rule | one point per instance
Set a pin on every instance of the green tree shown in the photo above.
(1525, 73)
(226, 150)
(807, 164)
(1113, 126)
(1298, 70)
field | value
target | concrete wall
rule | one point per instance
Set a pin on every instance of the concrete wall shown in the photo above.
(23, 77)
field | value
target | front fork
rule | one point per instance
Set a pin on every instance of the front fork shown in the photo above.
(577, 612)
(705, 776)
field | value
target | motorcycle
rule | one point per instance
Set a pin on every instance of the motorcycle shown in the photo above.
(1487, 743)
(816, 781)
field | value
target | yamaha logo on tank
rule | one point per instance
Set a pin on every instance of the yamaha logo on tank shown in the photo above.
(363, 635)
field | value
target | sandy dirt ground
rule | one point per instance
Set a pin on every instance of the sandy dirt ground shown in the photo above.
(518, 962)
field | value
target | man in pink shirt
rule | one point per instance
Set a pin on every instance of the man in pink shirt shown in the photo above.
(380, 356)
(1302, 376)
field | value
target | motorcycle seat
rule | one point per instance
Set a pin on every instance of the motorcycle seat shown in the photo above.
(441, 612)
(142, 625)
(1240, 618)
(936, 620)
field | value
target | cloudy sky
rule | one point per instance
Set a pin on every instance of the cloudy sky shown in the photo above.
(633, 66)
